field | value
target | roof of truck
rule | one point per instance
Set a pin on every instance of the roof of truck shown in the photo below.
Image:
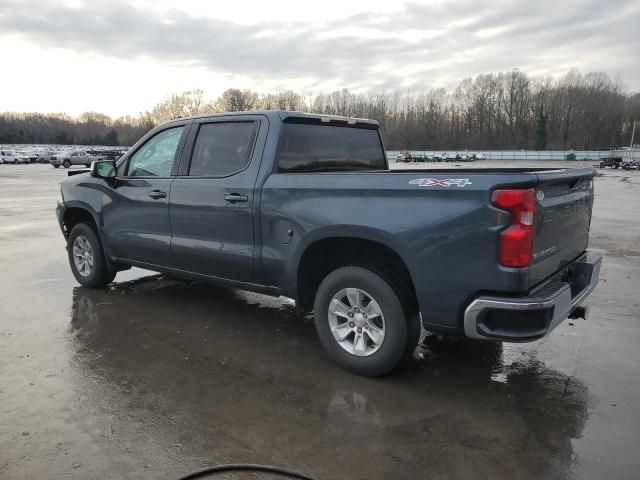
(286, 115)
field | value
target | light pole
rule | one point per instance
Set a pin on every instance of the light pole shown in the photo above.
(633, 132)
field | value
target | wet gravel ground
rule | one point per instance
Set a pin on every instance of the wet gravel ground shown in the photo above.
(154, 378)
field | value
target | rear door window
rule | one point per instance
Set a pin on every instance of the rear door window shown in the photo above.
(222, 149)
(312, 147)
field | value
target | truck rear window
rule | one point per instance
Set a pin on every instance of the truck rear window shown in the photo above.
(325, 148)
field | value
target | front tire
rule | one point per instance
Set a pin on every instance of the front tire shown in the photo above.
(66, 164)
(56, 166)
(86, 258)
(361, 323)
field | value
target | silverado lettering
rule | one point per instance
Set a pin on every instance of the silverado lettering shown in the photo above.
(551, 215)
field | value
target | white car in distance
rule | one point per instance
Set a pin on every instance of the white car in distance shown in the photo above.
(7, 156)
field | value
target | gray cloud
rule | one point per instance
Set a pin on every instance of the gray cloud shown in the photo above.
(533, 36)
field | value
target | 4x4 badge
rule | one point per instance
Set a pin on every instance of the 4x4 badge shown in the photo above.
(440, 182)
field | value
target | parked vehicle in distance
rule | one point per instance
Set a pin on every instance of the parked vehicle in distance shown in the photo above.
(612, 162)
(610, 157)
(630, 159)
(107, 154)
(24, 157)
(7, 157)
(14, 157)
(404, 157)
(305, 206)
(74, 157)
(31, 157)
(44, 156)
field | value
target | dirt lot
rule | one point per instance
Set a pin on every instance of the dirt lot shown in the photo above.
(154, 378)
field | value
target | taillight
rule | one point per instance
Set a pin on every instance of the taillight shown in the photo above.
(516, 242)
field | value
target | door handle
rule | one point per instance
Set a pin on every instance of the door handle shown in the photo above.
(235, 198)
(156, 194)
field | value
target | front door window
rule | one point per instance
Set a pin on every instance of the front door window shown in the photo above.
(155, 158)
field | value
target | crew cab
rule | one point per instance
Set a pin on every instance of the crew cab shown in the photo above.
(305, 206)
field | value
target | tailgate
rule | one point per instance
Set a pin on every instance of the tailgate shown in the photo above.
(563, 216)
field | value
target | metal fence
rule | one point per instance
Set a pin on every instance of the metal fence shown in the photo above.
(590, 155)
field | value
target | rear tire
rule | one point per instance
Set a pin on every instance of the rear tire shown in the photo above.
(86, 258)
(357, 291)
(56, 166)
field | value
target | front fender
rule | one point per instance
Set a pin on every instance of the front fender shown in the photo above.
(83, 205)
(87, 194)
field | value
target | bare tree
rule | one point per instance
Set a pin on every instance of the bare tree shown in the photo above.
(235, 100)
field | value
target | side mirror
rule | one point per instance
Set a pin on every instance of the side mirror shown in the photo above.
(103, 169)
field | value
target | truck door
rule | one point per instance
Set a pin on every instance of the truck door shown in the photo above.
(136, 214)
(212, 201)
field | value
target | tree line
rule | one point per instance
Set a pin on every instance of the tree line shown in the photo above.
(90, 128)
(506, 110)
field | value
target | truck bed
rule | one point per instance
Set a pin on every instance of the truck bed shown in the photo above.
(493, 170)
(563, 212)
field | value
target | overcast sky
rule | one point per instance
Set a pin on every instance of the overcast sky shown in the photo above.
(121, 57)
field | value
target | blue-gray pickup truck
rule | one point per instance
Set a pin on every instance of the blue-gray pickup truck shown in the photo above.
(305, 206)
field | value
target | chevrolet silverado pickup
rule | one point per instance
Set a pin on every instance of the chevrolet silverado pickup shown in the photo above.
(305, 206)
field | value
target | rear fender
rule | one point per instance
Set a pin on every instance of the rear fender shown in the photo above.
(338, 231)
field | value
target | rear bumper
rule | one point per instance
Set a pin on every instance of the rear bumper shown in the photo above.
(528, 318)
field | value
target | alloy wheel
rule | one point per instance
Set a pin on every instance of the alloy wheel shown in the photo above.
(356, 322)
(82, 255)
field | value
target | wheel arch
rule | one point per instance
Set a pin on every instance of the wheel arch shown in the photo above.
(78, 212)
(340, 247)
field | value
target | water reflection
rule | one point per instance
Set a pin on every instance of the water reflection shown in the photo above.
(225, 376)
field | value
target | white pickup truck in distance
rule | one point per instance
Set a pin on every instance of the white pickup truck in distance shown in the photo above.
(74, 157)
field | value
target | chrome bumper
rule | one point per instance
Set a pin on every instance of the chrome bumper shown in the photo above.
(545, 308)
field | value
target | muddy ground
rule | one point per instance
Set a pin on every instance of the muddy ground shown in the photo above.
(154, 378)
